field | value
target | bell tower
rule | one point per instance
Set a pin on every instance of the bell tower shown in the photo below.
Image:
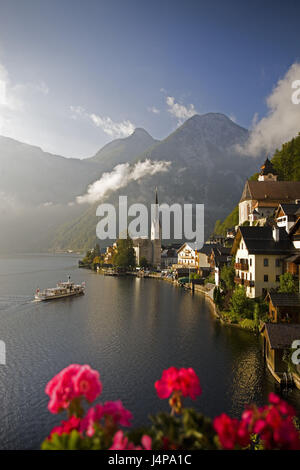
(267, 172)
(156, 234)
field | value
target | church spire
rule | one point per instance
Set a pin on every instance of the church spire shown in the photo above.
(155, 224)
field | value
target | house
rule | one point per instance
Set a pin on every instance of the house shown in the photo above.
(294, 233)
(261, 198)
(219, 257)
(259, 258)
(169, 257)
(187, 255)
(284, 307)
(287, 214)
(277, 339)
(109, 253)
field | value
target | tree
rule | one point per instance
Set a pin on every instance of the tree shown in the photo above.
(240, 305)
(227, 277)
(124, 256)
(287, 284)
(218, 297)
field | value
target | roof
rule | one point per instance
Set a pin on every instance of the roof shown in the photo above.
(281, 191)
(259, 240)
(290, 209)
(206, 249)
(281, 335)
(267, 168)
(282, 299)
(192, 245)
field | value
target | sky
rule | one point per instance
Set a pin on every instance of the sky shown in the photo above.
(76, 74)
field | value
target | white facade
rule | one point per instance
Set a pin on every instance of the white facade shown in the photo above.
(257, 273)
(187, 255)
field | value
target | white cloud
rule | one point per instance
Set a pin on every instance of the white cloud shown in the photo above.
(282, 122)
(112, 128)
(178, 110)
(119, 177)
(153, 109)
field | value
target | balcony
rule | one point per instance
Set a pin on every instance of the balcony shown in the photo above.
(242, 266)
(243, 282)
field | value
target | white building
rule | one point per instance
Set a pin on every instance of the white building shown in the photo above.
(259, 258)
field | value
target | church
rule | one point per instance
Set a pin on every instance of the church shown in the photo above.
(150, 248)
(260, 198)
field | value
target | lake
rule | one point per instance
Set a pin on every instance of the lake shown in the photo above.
(128, 329)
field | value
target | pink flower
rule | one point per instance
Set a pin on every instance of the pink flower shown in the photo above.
(181, 380)
(67, 426)
(189, 383)
(119, 414)
(231, 432)
(146, 442)
(121, 442)
(111, 409)
(92, 417)
(274, 424)
(72, 382)
(87, 383)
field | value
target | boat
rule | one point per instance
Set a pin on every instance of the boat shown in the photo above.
(62, 289)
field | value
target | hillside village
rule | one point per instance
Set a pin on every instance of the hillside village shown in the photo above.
(251, 274)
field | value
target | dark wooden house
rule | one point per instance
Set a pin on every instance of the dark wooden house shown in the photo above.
(283, 307)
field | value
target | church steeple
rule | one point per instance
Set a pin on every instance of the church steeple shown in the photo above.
(155, 224)
(267, 172)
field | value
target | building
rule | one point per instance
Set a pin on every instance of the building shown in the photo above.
(277, 339)
(262, 197)
(267, 172)
(259, 254)
(286, 215)
(169, 257)
(219, 257)
(150, 248)
(283, 307)
(187, 255)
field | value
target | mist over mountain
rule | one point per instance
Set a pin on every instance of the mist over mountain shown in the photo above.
(38, 190)
(123, 150)
(205, 168)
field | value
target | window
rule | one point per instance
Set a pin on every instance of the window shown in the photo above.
(266, 278)
(266, 262)
(277, 262)
(277, 278)
(250, 261)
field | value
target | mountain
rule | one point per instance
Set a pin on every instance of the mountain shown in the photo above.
(38, 189)
(124, 150)
(205, 168)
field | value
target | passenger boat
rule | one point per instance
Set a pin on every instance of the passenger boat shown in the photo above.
(62, 289)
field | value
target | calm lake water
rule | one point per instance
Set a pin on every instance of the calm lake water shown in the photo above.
(128, 329)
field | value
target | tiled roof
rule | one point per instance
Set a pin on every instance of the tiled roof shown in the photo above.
(281, 191)
(282, 299)
(259, 240)
(281, 335)
(291, 209)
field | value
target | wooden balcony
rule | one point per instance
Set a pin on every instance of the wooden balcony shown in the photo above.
(241, 266)
(243, 282)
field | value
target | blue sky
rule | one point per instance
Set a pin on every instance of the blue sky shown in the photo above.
(76, 74)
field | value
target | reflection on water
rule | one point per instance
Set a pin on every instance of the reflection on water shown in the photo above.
(129, 330)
